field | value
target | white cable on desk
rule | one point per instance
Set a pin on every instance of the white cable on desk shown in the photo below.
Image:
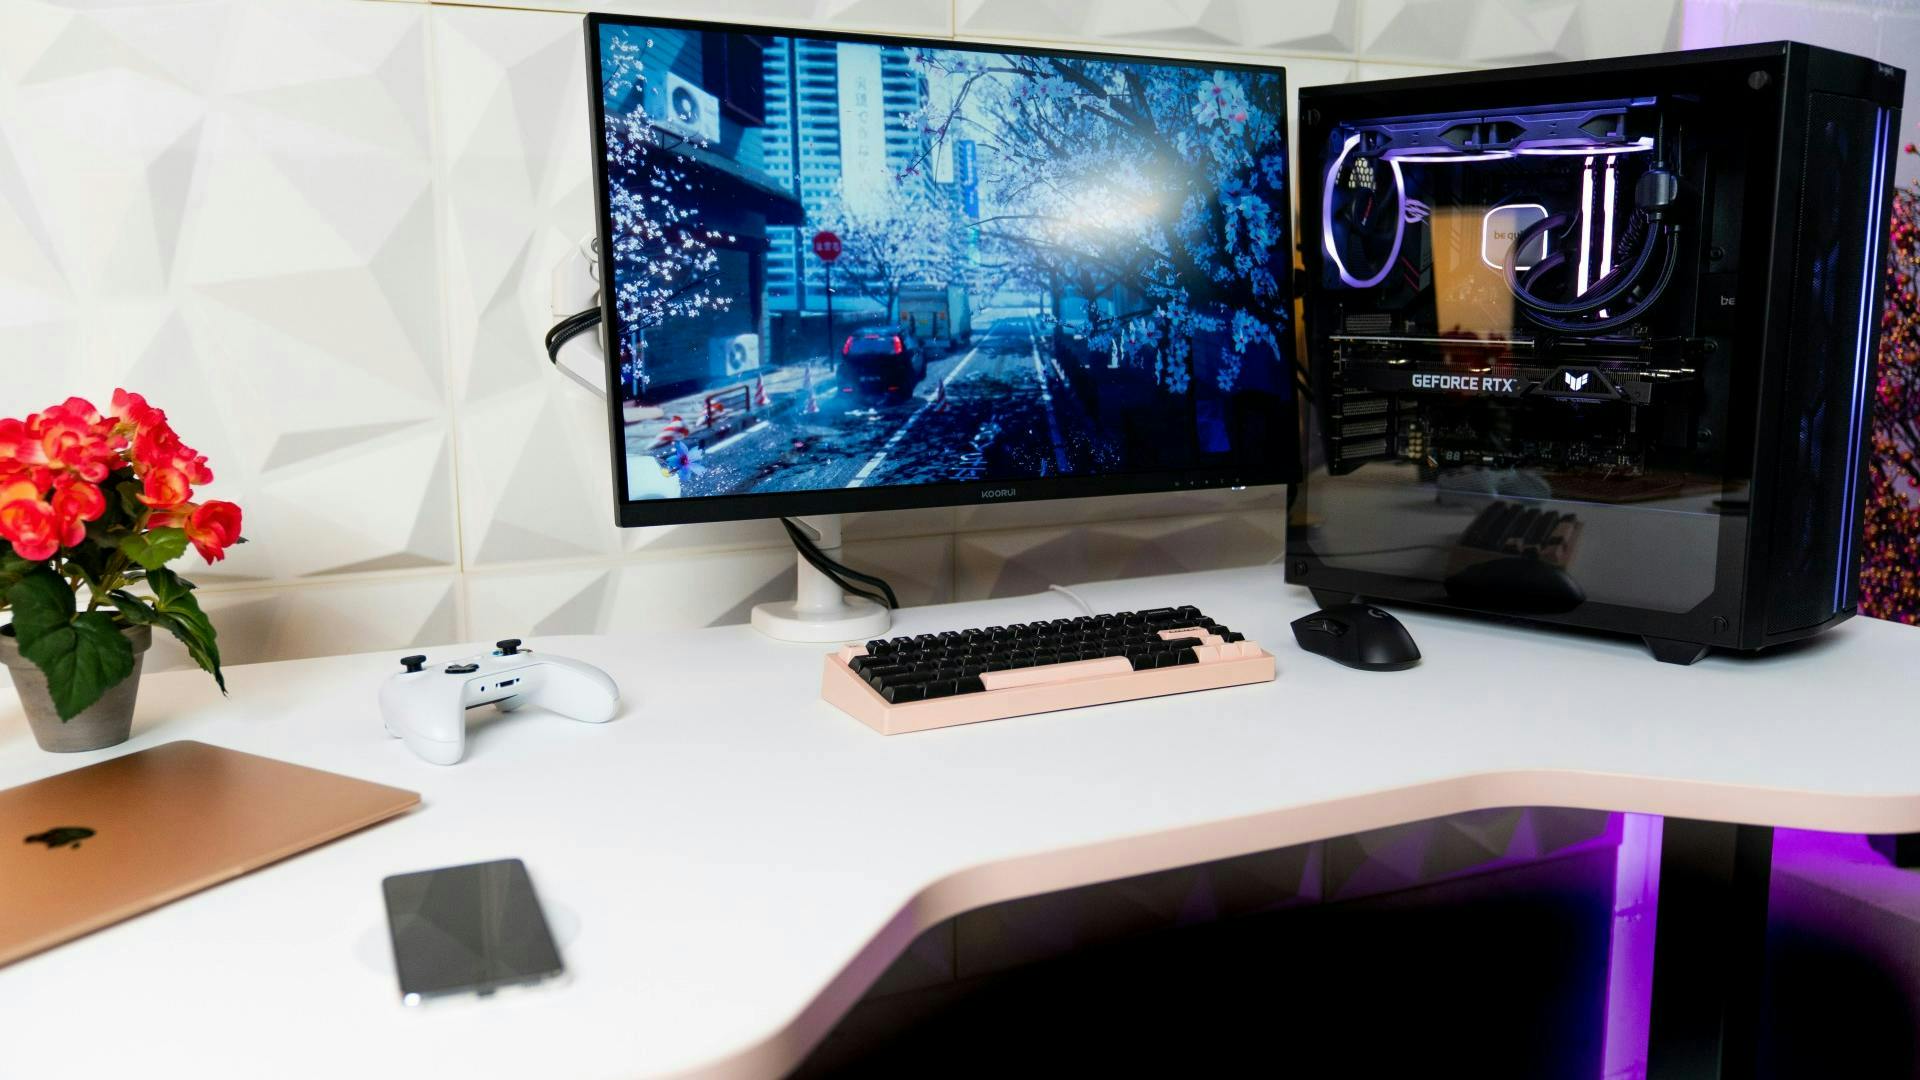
(1085, 609)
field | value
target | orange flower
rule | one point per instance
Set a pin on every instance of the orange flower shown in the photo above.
(28, 523)
(164, 487)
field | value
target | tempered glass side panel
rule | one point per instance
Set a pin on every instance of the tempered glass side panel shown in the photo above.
(1523, 343)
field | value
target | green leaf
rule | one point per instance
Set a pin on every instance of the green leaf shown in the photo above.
(129, 492)
(42, 604)
(175, 608)
(82, 661)
(133, 609)
(12, 568)
(167, 587)
(156, 548)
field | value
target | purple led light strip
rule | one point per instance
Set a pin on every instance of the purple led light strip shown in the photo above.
(1586, 226)
(1635, 147)
(1863, 357)
(1636, 906)
(1326, 219)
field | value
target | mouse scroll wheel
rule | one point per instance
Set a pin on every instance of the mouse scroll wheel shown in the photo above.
(1333, 627)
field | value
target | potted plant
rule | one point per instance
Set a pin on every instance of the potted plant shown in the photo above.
(93, 507)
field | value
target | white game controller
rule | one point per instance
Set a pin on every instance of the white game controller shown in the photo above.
(427, 706)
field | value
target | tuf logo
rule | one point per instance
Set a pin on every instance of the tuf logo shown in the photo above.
(63, 836)
(1579, 383)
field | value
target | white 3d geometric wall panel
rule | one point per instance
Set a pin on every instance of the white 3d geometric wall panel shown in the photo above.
(229, 207)
(320, 233)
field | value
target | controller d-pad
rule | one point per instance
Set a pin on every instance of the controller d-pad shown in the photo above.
(462, 669)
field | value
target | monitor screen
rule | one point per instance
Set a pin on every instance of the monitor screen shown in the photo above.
(843, 272)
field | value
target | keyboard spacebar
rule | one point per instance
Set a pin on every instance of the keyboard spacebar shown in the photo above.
(1056, 673)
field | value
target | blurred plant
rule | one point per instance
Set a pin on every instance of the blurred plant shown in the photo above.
(1890, 567)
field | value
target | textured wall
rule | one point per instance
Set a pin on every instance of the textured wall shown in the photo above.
(1887, 30)
(320, 232)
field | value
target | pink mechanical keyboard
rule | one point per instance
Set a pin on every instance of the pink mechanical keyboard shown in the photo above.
(965, 676)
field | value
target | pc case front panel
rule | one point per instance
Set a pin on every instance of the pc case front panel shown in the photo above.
(1485, 435)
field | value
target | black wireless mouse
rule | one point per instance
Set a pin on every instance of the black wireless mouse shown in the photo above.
(1359, 636)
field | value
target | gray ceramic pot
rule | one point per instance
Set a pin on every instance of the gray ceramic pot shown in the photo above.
(106, 722)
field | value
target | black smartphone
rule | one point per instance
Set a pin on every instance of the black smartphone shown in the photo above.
(468, 930)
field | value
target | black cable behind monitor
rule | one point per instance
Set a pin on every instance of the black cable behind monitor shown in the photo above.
(569, 328)
(840, 574)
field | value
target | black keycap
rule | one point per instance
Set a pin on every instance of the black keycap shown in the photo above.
(901, 695)
(1185, 642)
(1187, 611)
(1230, 637)
(862, 663)
(1166, 659)
(1141, 661)
(939, 688)
(971, 670)
(1186, 656)
(969, 685)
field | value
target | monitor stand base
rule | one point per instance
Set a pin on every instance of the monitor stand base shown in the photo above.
(821, 611)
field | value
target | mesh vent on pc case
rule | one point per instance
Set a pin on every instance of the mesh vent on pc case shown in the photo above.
(1821, 406)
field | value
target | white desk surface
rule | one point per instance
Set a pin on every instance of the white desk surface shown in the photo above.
(730, 863)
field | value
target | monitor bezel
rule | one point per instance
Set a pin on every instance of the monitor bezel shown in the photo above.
(632, 513)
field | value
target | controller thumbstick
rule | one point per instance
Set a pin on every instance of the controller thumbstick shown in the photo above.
(508, 646)
(413, 663)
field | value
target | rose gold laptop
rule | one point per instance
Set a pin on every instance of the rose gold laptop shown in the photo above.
(88, 848)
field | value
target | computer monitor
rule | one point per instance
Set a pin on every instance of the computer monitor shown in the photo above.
(842, 272)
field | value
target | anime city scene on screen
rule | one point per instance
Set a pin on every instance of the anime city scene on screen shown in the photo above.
(844, 264)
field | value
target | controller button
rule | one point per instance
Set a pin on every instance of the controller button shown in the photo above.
(462, 669)
(507, 647)
(413, 663)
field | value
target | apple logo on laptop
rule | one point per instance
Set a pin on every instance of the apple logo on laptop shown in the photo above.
(63, 836)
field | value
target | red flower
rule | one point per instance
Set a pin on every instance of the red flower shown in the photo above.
(52, 461)
(70, 437)
(77, 501)
(133, 409)
(158, 447)
(28, 523)
(164, 487)
(214, 526)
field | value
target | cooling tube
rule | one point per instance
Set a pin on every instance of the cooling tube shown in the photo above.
(1326, 219)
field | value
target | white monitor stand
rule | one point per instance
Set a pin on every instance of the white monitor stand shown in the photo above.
(821, 611)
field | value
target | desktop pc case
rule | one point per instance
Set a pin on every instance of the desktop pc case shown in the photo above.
(1593, 344)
